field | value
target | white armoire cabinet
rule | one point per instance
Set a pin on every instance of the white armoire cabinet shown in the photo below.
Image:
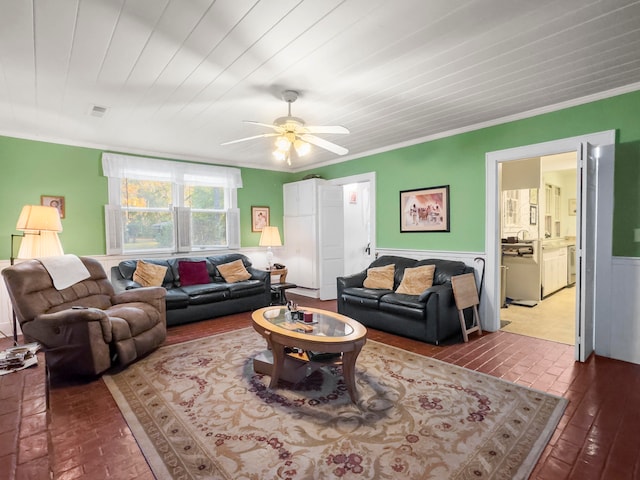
(301, 232)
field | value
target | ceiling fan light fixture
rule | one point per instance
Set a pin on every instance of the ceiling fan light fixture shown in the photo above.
(302, 148)
(283, 143)
(280, 155)
(291, 131)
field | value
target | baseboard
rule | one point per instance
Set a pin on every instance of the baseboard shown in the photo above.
(305, 292)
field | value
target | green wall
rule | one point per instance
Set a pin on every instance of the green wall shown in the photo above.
(30, 169)
(459, 161)
(260, 188)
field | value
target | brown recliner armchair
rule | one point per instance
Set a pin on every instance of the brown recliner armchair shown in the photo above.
(85, 328)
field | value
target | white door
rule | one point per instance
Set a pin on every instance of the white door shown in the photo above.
(359, 193)
(358, 247)
(331, 239)
(585, 251)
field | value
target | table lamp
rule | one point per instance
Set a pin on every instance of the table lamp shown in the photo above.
(40, 226)
(270, 238)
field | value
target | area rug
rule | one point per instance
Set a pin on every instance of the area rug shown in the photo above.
(198, 410)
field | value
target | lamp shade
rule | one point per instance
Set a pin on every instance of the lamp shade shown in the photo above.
(283, 143)
(38, 218)
(44, 244)
(41, 226)
(280, 155)
(302, 148)
(270, 237)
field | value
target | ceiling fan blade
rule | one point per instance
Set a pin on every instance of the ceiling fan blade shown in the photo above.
(277, 128)
(264, 135)
(322, 143)
(326, 129)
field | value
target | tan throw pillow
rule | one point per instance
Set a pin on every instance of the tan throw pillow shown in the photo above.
(416, 280)
(149, 274)
(233, 272)
(380, 277)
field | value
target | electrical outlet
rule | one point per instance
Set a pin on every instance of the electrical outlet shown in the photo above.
(636, 234)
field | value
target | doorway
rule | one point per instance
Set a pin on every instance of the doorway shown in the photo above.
(359, 213)
(347, 229)
(596, 154)
(538, 239)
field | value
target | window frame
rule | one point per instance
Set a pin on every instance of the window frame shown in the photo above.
(181, 175)
(169, 210)
(230, 198)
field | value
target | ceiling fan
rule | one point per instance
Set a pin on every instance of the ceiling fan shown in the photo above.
(292, 133)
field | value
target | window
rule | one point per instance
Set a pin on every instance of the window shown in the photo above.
(208, 215)
(163, 206)
(147, 215)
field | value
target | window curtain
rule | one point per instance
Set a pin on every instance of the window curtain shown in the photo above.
(115, 165)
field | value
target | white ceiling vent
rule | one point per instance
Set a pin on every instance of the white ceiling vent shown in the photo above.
(97, 111)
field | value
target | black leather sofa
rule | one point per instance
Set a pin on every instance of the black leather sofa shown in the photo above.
(200, 302)
(430, 317)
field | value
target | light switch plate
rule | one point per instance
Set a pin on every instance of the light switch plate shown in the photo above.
(636, 234)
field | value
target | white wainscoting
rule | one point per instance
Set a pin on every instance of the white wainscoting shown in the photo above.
(617, 335)
(468, 258)
(256, 254)
(6, 312)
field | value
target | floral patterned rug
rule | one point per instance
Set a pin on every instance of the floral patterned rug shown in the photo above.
(198, 410)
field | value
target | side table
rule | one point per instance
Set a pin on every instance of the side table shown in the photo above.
(282, 272)
(278, 296)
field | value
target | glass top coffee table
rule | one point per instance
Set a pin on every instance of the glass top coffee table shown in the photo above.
(328, 333)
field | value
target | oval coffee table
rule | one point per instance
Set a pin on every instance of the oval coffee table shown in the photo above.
(330, 333)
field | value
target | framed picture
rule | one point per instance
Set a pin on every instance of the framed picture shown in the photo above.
(425, 210)
(53, 201)
(572, 207)
(533, 215)
(259, 218)
(533, 196)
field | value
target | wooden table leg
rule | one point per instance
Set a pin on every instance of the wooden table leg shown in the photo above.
(349, 370)
(278, 363)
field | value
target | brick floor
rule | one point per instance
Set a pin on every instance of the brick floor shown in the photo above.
(24, 439)
(83, 434)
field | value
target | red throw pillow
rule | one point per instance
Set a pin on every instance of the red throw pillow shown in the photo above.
(193, 273)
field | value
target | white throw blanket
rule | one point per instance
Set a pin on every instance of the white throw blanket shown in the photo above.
(65, 270)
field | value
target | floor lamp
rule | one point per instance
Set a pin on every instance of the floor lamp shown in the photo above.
(270, 237)
(40, 226)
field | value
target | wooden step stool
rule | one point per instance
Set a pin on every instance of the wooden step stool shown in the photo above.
(466, 296)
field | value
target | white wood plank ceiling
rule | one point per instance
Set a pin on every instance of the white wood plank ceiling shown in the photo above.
(177, 77)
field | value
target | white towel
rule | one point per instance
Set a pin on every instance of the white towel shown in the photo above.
(65, 270)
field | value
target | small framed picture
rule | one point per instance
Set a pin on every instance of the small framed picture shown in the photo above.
(53, 201)
(259, 218)
(425, 210)
(533, 215)
(533, 196)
